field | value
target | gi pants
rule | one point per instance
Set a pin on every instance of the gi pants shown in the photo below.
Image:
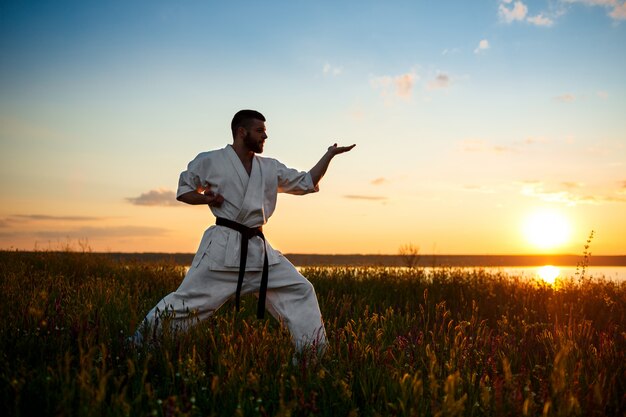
(291, 299)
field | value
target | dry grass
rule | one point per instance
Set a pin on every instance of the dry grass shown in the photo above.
(402, 343)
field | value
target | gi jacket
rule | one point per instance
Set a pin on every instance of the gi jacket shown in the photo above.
(249, 200)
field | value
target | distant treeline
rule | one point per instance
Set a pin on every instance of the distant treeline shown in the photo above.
(454, 260)
(399, 260)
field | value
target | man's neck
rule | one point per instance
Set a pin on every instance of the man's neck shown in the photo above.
(245, 155)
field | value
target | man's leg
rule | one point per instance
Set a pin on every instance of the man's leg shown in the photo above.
(291, 297)
(201, 293)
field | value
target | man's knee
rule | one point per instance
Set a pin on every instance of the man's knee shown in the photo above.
(306, 289)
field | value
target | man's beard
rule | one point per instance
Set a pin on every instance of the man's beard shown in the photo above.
(254, 145)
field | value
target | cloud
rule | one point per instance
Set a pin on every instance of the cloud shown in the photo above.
(619, 12)
(56, 218)
(329, 69)
(379, 181)
(450, 51)
(510, 11)
(404, 85)
(569, 193)
(160, 197)
(14, 220)
(565, 98)
(478, 189)
(483, 45)
(571, 184)
(602, 94)
(517, 12)
(479, 145)
(102, 232)
(536, 189)
(400, 86)
(617, 8)
(365, 197)
(533, 140)
(85, 233)
(540, 20)
(441, 81)
(593, 2)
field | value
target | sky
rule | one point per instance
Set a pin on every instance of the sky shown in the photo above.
(482, 127)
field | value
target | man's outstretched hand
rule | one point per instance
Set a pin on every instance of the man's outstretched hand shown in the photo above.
(336, 150)
(318, 171)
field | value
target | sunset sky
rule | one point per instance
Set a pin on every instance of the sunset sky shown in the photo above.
(482, 127)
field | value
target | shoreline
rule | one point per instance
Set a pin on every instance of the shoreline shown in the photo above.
(425, 260)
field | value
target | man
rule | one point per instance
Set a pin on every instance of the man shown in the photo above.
(240, 188)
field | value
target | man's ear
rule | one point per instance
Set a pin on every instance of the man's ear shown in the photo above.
(242, 131)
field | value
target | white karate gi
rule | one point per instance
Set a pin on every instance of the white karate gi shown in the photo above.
(212, 278)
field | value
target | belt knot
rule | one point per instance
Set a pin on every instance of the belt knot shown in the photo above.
(246, 234)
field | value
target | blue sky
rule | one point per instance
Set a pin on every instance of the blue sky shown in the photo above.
(458, 109)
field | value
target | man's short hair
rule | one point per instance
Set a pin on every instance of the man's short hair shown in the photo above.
(244, 118)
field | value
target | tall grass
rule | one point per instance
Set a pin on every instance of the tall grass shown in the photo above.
(402, 342)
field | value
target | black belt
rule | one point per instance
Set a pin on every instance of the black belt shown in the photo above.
(246, 234)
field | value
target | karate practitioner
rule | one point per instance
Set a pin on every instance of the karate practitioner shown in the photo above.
(240, 187)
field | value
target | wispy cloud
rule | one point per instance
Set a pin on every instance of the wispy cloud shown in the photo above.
(86, 232)
(365, 197)
(616, 8)
(479, 145)
(572, 184)
(483, 45)
(404, 85)
(159, 197)
(333, 70)
(399, 86)
(565, 98)
(540, 20)
(450, 51)
(537, 189)
(478, 189)
(56, 218)
(379, 181)
(602, 94)
(102, 232)
(441, 81)
(619, 12)
(509, 12)
(570, 193)
(532, 141)
(20, 220)
(516, 12)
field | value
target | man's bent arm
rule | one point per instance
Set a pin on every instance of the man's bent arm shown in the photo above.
(197, 198)
(318, 171)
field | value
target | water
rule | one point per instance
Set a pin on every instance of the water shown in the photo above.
(612, 273)
(548, 272)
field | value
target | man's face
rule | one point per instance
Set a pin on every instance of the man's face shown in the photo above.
(255, 136)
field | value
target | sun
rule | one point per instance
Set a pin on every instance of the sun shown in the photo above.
(547, 229)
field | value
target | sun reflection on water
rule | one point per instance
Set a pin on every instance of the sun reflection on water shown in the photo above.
(548, 273)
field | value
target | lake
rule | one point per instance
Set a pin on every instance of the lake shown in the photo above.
(548, 273)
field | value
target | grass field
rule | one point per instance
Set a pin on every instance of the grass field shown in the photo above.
(401, 343)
